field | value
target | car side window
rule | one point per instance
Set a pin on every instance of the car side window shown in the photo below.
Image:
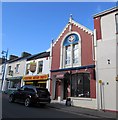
(29, 89)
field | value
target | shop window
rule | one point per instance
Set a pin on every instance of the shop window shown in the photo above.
(14, 84)
(80, 85)
(9, 69)
(27, 68)
(40, 67)
(116, 23)
(17, 68)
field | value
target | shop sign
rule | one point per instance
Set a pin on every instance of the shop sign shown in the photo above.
(40, 77)
(60, 76)
(33, 66)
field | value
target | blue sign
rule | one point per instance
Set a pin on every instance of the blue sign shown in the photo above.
(71, 39)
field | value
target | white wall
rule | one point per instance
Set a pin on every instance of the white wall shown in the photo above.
(21, 68)
(106, 49)
(108, 26)
(117, 54)
(46, 69)
(84, 102)
(46, 66)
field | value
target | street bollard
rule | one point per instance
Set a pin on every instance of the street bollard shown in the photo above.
(68, 102)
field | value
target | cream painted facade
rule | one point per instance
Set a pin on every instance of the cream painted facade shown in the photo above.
(16, 76)
(45, 69)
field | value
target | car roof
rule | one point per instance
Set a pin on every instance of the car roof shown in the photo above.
(32, 86)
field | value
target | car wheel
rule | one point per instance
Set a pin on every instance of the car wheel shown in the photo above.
(11, 98)
(27, 102)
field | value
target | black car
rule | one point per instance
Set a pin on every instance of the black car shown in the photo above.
(29, 95)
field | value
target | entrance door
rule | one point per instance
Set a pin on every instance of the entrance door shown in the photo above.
(56, 90)
(65, 95)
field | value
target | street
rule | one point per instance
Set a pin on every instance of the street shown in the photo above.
(18, 110)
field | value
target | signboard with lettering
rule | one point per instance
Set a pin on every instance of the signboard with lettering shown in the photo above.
(39, 77)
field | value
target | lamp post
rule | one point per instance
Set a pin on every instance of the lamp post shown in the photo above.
(4, 57)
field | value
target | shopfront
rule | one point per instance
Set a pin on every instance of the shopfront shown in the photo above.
(71, 82)
(38, 80)
(14, 83)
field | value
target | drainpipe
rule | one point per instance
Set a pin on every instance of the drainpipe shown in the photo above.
(96, 69)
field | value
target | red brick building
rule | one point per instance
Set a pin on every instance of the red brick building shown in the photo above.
(72, 68)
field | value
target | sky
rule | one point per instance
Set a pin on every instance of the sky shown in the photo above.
(31, 26)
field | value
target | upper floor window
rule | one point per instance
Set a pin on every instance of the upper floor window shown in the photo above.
(68, 55)
(17, 68)
(71, 50)
(116, 23)
(27, 68)
(75, 54)
(10, 72)
(2, 69)
(40, 67)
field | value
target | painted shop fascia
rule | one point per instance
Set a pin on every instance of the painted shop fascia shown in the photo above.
(37, 70)
(73, 75)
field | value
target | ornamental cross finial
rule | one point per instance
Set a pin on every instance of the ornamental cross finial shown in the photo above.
(70, 20)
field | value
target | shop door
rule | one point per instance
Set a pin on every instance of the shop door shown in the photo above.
(65, 93)
(56, 90)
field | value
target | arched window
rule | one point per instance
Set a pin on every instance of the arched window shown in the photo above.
(71, 51)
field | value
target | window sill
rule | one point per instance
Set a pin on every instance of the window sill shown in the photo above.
(81, 98)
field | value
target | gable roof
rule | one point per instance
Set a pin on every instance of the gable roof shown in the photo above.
(17, 59)
(114, 9)
(76, 24)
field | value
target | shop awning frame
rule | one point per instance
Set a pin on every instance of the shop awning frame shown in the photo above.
(14, 78)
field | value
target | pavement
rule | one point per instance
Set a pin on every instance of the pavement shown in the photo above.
(84, 111)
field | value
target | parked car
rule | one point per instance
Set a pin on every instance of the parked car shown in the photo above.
(29, 95)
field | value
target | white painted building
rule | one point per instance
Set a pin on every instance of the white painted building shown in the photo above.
(14, 72)
(37, 70)
(3, 68)
(106, 51)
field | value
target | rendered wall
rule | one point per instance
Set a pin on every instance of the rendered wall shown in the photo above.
(106, 61)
